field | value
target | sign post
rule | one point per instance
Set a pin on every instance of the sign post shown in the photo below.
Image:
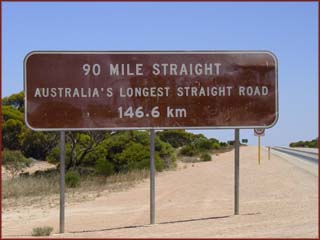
(236, 170)
(62, 179)
(259, 132)
(152, 177)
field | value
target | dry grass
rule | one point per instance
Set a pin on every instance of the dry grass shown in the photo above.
(30, 186)
(45, 189)
(187, 159)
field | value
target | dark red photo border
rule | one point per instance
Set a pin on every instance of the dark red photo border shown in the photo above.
(235, 1)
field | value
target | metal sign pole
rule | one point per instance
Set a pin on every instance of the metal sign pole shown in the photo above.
(236, 172)
(259, 150)
(62, 174)
(152, 177)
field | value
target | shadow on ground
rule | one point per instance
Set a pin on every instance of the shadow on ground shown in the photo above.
(161, 223)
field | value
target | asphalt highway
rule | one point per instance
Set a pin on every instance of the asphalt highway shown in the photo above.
(304, 154)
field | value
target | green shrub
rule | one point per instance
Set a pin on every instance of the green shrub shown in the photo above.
(54, 155)
(135, 156)
(13, 156)
(9, 112)
(72, 179)
(38, 144)
(100, 153)
(313, 144)
(215, 145)
(176, 138)
(42, 231)
(203, 144)
(11, 132)
(167, 157)
(223, 144)
(205, 157)
(188, 150)
(309, 144)
(104, 167)
(160, 163)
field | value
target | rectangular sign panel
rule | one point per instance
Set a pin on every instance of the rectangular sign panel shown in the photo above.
(141, 90)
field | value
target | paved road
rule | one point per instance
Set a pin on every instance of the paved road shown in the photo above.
(304, 154)
(302, 158)
(308, 150)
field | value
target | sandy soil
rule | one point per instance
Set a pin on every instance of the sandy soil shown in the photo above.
(35, 166)
(277, 199)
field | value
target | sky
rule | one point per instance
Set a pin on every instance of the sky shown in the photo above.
(289, 30)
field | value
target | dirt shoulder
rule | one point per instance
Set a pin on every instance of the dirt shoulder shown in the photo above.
(277, 199)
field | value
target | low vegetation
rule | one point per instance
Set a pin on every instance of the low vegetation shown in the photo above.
(308, 144)
(205, 157)
(200, 148)
(72, 179)
(41, 231)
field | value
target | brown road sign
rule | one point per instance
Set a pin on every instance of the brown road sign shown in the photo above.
(133, 90)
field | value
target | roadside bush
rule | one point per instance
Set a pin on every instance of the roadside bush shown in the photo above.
(215, 146)
(200, 145)
(135, 156)
(42, 231)
(159, 163)
(9, 112)
(313, 144)
(100, 153)
(176, 138)
(54, 155)
(38, 144)
(223, 144)
(205, 157)
(166, 153)
(11, 131)
(309, 144)
(11, 156)
(104, 167)
(188, 150)
(72, 179)
(203, 144)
